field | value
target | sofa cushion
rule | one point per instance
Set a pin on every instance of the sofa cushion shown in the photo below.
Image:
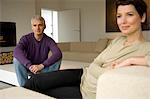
(101, 45)
(68, 64)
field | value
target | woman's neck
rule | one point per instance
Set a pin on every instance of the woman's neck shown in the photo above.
(134, 38)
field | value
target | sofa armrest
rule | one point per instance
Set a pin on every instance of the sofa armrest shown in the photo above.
(124, 83)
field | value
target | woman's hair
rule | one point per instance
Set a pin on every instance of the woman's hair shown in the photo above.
(38, 17)
(139, 5)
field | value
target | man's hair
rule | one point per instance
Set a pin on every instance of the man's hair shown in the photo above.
(139, 5)
(38, 17)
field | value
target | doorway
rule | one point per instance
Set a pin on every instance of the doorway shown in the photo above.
(51, 21)
(62, 26)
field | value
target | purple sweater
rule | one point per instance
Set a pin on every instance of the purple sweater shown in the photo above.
(30, 51)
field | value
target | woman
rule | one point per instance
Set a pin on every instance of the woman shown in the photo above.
(127, 50)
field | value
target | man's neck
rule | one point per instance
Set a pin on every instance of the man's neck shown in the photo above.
(38, 37)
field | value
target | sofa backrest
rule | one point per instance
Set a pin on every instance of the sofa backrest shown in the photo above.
(64, 46)
(96, 47)
(101, 44)
(82, 46)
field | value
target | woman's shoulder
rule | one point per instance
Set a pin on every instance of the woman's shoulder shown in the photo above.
(146, 44)
(119, 39)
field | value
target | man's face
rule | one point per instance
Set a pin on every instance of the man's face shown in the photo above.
(37, 27)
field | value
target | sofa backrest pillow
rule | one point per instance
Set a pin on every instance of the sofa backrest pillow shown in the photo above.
(101, 44)
(82, 46)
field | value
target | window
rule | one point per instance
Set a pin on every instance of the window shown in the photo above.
(51, 21)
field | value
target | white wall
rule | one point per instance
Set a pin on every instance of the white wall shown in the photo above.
(92, 17)
(19, 11)
(47, 4)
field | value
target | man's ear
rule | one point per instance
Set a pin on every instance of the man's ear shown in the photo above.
(44, 26)
(143, 18)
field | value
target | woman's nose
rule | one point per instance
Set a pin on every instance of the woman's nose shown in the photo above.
(124, 20)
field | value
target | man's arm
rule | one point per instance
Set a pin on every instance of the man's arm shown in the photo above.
(20, 54)
(56, 54)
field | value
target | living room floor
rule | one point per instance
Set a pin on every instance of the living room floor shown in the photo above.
(4, 85)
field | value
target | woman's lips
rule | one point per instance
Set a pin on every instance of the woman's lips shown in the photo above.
(124, 27)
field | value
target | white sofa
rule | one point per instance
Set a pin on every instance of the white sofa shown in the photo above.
(123, 83)
(83, 51)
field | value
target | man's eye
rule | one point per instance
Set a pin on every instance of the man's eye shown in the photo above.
(34, 25)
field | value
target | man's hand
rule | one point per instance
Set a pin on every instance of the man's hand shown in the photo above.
(35, 68)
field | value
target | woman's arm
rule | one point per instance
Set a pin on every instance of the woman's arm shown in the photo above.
(139, 60)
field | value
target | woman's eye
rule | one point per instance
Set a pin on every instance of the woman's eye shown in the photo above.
(118, 16)
(130, 14)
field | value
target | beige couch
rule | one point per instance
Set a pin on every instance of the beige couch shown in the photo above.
(123, 83)
(82, 51)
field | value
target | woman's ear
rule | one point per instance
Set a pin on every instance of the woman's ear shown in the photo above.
(143, 18)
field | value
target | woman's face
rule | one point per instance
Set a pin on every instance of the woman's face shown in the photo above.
(128, 19)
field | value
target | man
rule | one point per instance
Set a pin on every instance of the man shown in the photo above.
(31, 53)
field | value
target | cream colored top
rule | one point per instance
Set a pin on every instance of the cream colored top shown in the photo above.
(115, 51)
